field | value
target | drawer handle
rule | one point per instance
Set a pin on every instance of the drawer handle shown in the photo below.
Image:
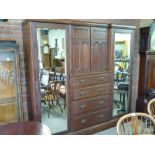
(82, 93)
(101, 115)
(82, 81)
(101, 78)
(83, 106)
(100, 90)
(83, 121)
(101, 102)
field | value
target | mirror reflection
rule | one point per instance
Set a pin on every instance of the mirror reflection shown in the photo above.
(121, 73)
(52, 63)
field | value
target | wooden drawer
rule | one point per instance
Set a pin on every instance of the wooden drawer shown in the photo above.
(91, 80)
(79, 93)
(90, 105)
(90, 119)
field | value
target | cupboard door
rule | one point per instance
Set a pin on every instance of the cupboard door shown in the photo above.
(99, 55)
(150, 83)
(80, 50)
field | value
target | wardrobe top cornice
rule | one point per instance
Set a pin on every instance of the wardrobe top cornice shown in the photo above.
(78, 22)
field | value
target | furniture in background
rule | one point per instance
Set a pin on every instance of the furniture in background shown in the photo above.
(89, 71)
(146, 90)
(141, 105)
(11, 108)
(24, 128)
(50, 90)
(136, 123)
(151, 107)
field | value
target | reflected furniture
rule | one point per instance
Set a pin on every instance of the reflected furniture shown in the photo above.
(24, 128)
(151, 107)
(122, 57)
(89, 72)
(135, 124)
(51, 90)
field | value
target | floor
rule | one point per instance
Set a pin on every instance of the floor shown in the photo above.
(117, 104)
(111, 131)
(57, 121)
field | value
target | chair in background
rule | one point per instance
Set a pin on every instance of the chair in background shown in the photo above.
(135, 124)
(151, 108)
(62, 92)
(51, 96)
(44, 82)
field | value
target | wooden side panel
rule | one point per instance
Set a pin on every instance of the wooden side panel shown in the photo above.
(80, 50)
(99, 52)
(34, 109)
(8, 112)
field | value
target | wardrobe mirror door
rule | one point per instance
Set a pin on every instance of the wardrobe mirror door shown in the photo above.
(52, 74)
(121, 73)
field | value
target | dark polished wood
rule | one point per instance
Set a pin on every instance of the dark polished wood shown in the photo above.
(96, 128)
(93, 79)
(141, 104)
(91, 119)
(24, 128)
(99, 55)
(88, 80)
(90, 105)
(91, 91)
(84, 72)
(86, 22)
(80, 50)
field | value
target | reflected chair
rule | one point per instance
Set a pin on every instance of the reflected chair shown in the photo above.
(62, 91)
(151, 107)
(135, 124)
(52, 95)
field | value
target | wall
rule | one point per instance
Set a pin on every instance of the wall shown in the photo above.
(13, 29)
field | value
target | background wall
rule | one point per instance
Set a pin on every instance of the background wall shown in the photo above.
(13, 30)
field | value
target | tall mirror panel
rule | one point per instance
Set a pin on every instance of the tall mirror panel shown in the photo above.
(121, 73)
(52, 64)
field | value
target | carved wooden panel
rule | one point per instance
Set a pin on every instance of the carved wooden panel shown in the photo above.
(99, 55)
(80, 50)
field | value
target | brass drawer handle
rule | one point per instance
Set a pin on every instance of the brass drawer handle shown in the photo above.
(82, 93)
(101, 102)
(101, 115)
(100, 90)
(101, 78)
(83, 121)
(82, 81)
(83, 106)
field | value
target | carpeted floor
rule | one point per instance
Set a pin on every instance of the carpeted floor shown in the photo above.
(111, 131)
(57, 121)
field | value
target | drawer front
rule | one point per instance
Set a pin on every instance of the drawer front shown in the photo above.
(90, 105)
(91, 80)
(91, 119)
(80, 93)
